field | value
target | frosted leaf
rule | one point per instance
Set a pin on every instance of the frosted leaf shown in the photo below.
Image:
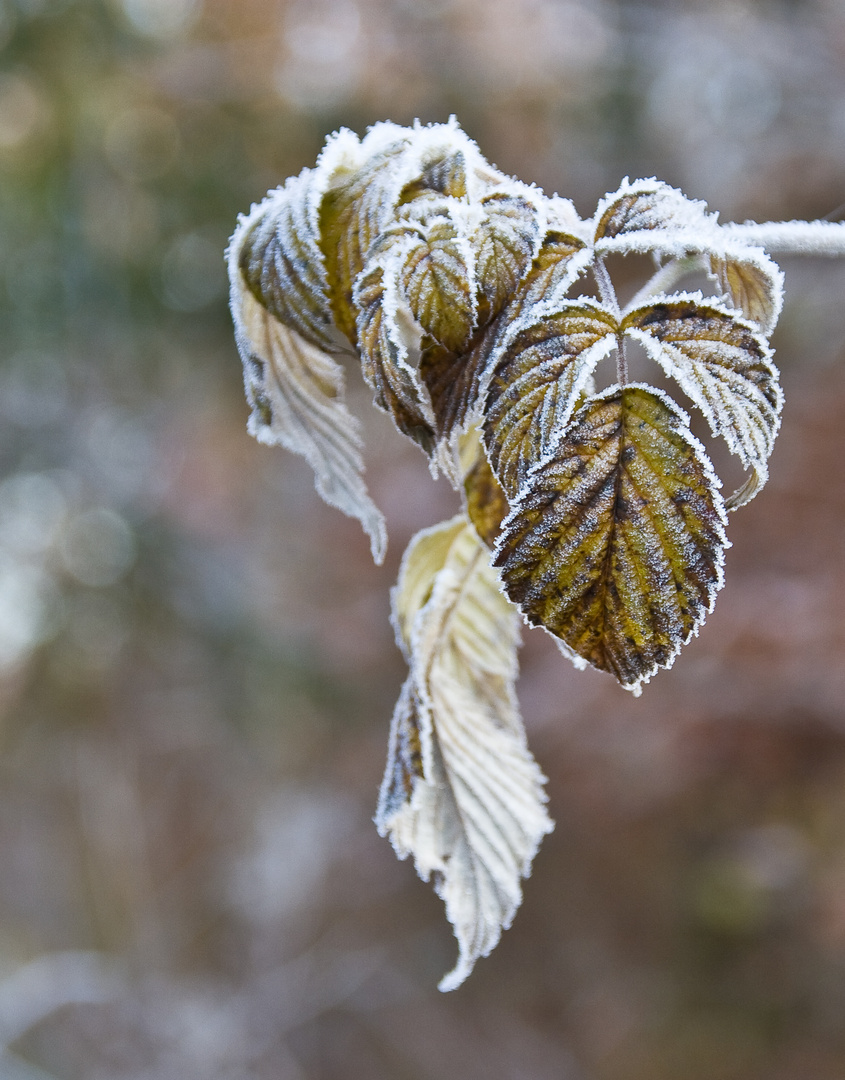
(632, 218)
(533, 388)
(437, 278)
(461, 792)
(296, 394)
(446, 175)
(451, 380)
(616, 542)
(386, 337)
(358, 205)
(280, 261)
(505, 243)
(722, 363)
(752, 282)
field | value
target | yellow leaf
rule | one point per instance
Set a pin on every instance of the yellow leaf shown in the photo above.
(437, 279)
(354, 211)
(385, 342)
(485, 501)
(616, 542)
(754, 284)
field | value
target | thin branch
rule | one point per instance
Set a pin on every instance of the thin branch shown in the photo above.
(792, 237)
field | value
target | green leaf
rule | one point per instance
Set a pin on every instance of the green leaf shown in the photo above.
(616, 542)
(539, 373)
(723, 364)
(461, 791)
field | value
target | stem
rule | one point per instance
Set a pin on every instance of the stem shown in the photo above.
(792, 237)
(608, 295)
(606, 289)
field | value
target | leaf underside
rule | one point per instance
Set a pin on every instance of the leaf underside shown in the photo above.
(461, 791)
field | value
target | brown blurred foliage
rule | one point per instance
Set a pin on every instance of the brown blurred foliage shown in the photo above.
(196, 667)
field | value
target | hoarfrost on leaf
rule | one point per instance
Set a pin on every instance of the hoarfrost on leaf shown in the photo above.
(461, 792)
(615, 543)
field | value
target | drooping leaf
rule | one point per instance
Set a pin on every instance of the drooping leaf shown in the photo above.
(722, 363)
(296, 394)
(615, 543)
(533, 388)
(281, 263)
(504, 244)
(649, 214)
(461, 793)
(753, 282)
(386, 339)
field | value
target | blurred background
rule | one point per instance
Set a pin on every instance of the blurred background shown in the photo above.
(196, 667)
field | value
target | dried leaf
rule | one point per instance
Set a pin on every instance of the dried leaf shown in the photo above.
(754, 284)
(296, 395)
(533, 389)
(461, 793)
(616, 542)
(722, 363)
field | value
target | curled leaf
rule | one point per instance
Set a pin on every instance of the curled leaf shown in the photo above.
(505, 243)
(357, 206)
(753, 282)
(280, 261)
(538, 375)
(649, 214)
(461, 792)
(437, 277)
(616, 542)
(296, 394)
(386, 340)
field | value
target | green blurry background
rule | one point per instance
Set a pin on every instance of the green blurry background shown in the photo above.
(196, 667)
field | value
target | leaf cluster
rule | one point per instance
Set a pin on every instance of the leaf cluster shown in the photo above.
(595, 512)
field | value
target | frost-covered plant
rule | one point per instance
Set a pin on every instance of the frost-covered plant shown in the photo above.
(594, 513)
